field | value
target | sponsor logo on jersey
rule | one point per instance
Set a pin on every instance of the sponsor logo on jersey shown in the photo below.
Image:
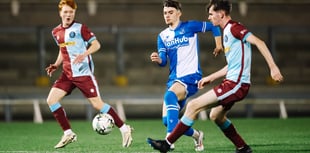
(226, 49)
(178, 42)
(70, 43)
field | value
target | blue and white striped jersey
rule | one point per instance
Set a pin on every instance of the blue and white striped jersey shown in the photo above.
(181, 47)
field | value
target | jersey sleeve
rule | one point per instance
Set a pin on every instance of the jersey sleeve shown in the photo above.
(161, 51)
(196, 26)
(87, 35)
(54, 31)
(239, 31)
(203, 26)
(216, 31)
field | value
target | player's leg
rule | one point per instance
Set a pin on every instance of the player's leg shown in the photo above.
(174, 101)
(126, 130)
(205, 101)
(89, 87)
(59, 113)
(218, 115)
(197, 135)
(192, 89)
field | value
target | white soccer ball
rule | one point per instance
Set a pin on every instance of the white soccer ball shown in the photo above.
(103, 123)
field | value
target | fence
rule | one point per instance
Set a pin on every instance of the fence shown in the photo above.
(248, 104)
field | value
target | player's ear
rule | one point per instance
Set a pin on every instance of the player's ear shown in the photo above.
(222, 14)
(179, 13)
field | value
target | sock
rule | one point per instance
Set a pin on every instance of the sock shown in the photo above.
(164, 120)
(124, 128)
(60, 116)
(171, 101)
(67, 132)
(108, 109)
(231, 133)
(189, 132)
(180, 129)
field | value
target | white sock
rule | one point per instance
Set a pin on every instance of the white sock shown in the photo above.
(167, 135)
(67, 132)
(124, 128)
(195, 134)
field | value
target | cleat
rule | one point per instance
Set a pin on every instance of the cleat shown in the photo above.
(65, 140)
(199, 142)
(127, 138)
(160, 145)
(245, 149)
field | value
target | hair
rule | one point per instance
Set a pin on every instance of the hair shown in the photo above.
(172, 3)
(224, 5)
(71, 3)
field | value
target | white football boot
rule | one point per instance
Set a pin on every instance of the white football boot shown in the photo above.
(66, 139)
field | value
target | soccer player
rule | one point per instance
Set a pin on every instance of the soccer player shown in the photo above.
(237, 46)
(76, 44)
(179, 44)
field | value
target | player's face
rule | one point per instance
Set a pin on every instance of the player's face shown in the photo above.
(67, 15)
(171, 15)
(215, 17)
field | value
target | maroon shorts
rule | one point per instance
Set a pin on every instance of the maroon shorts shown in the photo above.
(87, 85)
(229, 92)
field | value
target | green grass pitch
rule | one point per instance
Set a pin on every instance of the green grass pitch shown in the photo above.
(263, 135)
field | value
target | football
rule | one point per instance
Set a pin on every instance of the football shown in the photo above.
(103, 123)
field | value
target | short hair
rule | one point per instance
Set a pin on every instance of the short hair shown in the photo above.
(71, 3)
(172, 3)
(224, 5)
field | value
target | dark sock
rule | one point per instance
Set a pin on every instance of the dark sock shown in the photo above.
(231, 133)
(61, 117)
(117, 120)
(177, 132)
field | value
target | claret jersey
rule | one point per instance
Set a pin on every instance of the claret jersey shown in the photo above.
(72, 41)
(181, 47)
(238, 52)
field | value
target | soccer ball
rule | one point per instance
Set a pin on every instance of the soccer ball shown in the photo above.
(103, 123)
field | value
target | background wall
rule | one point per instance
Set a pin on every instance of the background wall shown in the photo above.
(284, 25)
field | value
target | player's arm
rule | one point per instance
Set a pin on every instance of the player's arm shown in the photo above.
(52, 67)
(262, 47)
(210, 78)
(94, 47)
(159, 57)
(216, 31)
(218, 45)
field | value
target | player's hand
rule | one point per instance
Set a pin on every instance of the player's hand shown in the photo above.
(50, 69)
(155, 58)
(203, 82)
(276, 74)
(79, 58)
(217, 51)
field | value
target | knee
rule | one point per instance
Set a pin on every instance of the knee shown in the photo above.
(212, 116)
(97, 106)
(192, 108)
(50, 101)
